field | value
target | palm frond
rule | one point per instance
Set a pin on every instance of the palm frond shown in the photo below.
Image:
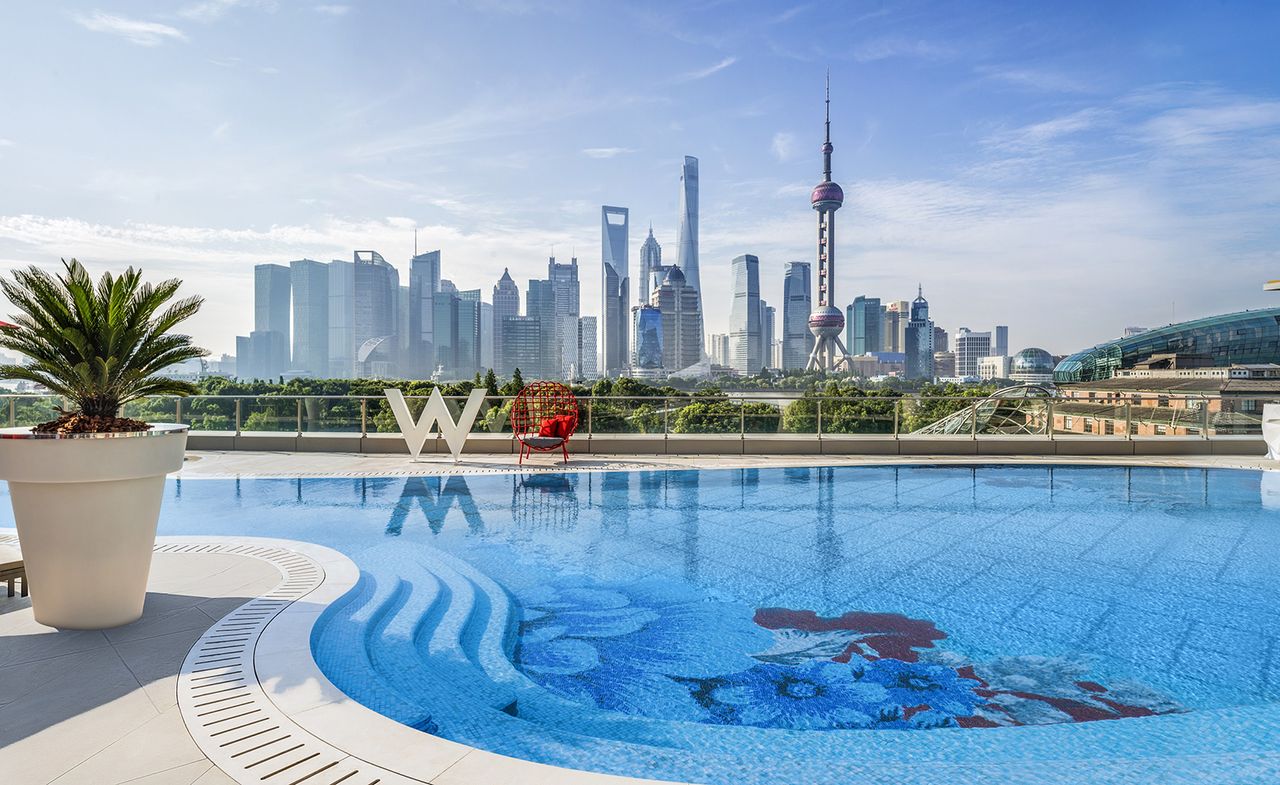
(98, 344)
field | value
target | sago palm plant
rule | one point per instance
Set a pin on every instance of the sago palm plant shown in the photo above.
(99, 346)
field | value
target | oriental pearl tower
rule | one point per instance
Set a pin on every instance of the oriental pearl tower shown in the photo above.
(827, 321)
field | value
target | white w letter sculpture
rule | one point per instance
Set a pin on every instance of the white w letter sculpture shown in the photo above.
(416, 433)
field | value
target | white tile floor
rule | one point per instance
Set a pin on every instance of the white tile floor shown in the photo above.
(97, 708)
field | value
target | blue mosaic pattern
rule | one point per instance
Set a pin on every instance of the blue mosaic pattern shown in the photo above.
(817, 625)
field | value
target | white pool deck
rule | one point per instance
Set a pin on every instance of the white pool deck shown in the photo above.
(108, 707)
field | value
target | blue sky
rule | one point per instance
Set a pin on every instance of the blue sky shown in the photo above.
(1066, 168)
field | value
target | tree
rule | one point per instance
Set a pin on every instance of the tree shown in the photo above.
(490, 383)
(517, 380)
(99, 346)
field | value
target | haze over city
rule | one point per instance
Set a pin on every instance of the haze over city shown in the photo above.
(1064, 171)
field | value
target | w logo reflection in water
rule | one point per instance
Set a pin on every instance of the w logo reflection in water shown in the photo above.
(435, 496)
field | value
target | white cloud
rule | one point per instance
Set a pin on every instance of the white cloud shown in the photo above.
(221, 130)
(213, 10)
(783, 145)
(708, 71)
(6, 142)
(1199, 125)
(606, 152)
(1040, 134)
(886, 48)
(333, 9)
(1034, 79)
(134, 30)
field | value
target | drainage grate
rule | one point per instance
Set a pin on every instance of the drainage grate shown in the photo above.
(226, 711)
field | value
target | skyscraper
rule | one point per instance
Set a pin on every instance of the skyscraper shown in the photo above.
(424, 282)
(269, 341)
(681, 321)
(864, 325)
(506, 302)
(469, 346)
(827, 321)
(687, 255)
(614, 228)
(893, 330)
(588, 352)
(342, 304)
(940, 341)
(564, 285)
(540, 304)
(745, 354)
(919, 340)
(376, 314)
(970, 348)
(650, 262)
(309, 281)
(797, 303)
(768, 317)
(1002, 340)
(647, 362)
(521, 347)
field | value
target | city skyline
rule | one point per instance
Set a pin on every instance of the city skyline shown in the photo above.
(1044, 147)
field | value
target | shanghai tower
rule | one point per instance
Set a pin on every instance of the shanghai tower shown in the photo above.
(687, 256)
(827, 321)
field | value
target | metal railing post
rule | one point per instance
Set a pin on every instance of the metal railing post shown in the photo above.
(590, 406)
(897, 408)
(177, 410)
(13, 414)
(364, 417)
(973, 424)
(819, 418)
(666, 411)
(742, 420)
(1204, 405)
(1128, 420)
(1048, 420)
(299, 416)
(238, 421)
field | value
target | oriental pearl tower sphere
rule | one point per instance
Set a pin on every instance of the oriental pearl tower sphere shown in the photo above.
(826, 322)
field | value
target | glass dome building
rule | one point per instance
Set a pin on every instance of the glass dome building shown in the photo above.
(1230, 339)
(1031, 365)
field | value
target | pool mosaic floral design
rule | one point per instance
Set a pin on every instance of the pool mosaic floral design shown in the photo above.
(662, 650)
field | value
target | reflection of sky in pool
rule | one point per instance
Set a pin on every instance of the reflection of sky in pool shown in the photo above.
(808, 623)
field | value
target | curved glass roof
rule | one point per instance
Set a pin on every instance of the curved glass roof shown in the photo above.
(1229, 339)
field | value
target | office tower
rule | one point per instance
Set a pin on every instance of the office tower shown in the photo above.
(863, 330)
(244, 348)
(424, 282)
(826, 322)
(647, 360)
(540, 303)
(1002, 341)
(269, 341)
(944, 364)
(447, 286)
(342, 304)
(797, 303)
(487, 342)
(767, 315)
(970, 347)
(687, 251)
(309, 281)
(746, 353)
(564, 285)
(506, 302)
(940, 340)
(444, 329)
(588, 352)
(614, 223)
(404, 340)
(716, 348)
(468, 344)
(650, 263)
(678, 303)
(918, 343)
(375, 310)
(521, 347)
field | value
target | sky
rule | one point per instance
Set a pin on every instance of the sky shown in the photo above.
(1068, 169)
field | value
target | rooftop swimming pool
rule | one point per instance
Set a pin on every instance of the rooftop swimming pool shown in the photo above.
(1033, 624)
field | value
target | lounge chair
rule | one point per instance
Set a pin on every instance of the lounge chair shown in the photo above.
(12, 569)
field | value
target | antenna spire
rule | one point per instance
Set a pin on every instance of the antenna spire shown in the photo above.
(826, 144)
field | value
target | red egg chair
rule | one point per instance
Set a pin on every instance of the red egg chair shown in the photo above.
(543, 417)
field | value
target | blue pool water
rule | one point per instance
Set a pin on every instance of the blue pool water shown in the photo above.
(1034, 624)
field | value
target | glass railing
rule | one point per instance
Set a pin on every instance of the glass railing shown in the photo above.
(741, 415)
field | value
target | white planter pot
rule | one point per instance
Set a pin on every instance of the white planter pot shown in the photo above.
(86, 507)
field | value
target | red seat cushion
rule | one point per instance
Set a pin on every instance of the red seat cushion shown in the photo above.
(567, 423)
(549, 427)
